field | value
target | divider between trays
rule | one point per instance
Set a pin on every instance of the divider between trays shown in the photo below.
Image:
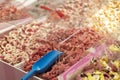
(13, 24)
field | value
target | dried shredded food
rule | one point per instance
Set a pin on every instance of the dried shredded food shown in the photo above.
(52, 41)
(60, 35)
(74, 49)
(39, 53)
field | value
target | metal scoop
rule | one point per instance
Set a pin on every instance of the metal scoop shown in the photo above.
(43, 64)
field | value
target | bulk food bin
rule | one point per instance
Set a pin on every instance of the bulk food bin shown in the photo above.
(9, 72)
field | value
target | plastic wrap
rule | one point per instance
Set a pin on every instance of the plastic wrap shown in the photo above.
(75, 69)
(103, 67)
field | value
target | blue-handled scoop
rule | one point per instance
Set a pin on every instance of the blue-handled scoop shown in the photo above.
(43, 64)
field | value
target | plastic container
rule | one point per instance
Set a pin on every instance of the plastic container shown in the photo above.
(10, 30)
(3, 26)
(43, 43)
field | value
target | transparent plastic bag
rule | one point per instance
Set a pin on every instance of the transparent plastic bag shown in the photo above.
(77, 67)
(107, 63)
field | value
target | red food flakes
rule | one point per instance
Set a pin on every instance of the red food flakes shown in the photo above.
(74, 49)
(55, 13)
(53, 39)
(38, 54)
(60, 35)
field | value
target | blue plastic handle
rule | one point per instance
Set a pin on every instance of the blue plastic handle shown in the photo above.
(28, 75)
(43, 64)
(46, 61)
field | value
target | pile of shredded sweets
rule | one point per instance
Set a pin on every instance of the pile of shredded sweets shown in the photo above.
(52, 42)
(107, 19)
(74, 49)
(48, 46)
(9, 13)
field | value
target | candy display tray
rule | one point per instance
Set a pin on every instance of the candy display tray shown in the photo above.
(9, 72)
